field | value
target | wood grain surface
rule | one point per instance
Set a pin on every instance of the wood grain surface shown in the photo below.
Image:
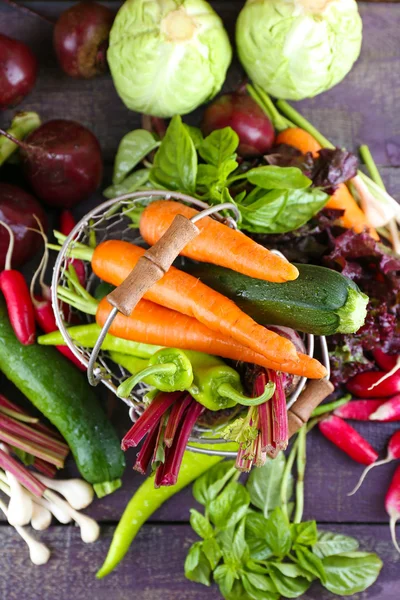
(362, 109)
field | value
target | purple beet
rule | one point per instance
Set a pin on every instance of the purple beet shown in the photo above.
(62, 162)
(18, 71)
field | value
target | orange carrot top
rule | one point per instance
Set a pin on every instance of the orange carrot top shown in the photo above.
(217, 243)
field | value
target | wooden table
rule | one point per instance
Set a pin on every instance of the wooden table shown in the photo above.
(362, 109)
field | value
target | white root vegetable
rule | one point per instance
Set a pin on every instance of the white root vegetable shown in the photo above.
(77, 492)
(38, 552)
(59, 513)
(20, 507)
(41, 517)
(90, 529)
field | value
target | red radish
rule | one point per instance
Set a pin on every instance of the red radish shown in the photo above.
(241, 113)
(18, 71)
(392, 505)
(81, 39)
(386, 362)
(373, 384)
(18, 210)
(359, 410)
(393, 452)
(388, 411)
(17, 297)
(61, 161)
(348, 439)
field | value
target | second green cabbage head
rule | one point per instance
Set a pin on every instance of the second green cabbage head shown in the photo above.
(168, 56)
(296, 49)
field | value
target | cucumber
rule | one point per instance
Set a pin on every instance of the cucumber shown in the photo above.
(62, 394)
(320, 301)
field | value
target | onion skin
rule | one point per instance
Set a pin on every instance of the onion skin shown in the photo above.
(80, 39)
(246, 118)
(18, 71)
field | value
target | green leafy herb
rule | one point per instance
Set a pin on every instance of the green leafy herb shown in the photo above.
(197, 566)
(280, 211)
(209, 485)
(201, 524)
(264, 484)
(277, 533)
(195, 134)
(219, 146)
(212, 551)
(256, 527)
(330, 543)
(133, 182)
(350, 573)
(305, 534)
(133, 148)
(175, 162)
(230, 506)
(279, 178)
(309, 562)
(290, 587)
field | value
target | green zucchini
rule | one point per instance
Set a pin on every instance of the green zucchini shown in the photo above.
(62, 394)
(320, 301)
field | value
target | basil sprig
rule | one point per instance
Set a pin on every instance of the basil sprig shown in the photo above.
(253, 551)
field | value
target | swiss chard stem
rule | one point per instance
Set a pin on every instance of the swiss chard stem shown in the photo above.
(22, 474)
(301, 466)
(228, 391)
(177, 411)
(17, 415)
(300, 121)
(38, 451)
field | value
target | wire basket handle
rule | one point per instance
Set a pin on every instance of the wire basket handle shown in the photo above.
(149, 269)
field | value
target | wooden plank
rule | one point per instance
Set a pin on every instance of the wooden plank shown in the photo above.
(362, 109)
(152, 570)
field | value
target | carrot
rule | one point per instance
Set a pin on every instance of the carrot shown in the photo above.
(300, 139)
(217, 243)
(113, 260)
(354, 217)
(154, 324)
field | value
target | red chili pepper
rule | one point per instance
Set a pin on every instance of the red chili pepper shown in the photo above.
(17, 297)
(67, 222)
(47, 322)
(374, 384)
(348, 439)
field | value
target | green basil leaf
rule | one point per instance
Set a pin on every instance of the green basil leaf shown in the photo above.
(224, 577)
(277, 533)
(220, 145)
(289, 587)
(256, 527)
(175, 162)
(308, 561)
(206, 175)
(197, 567)
(201, 524)
(226, 168)
(292, 570)
(258, 587)
(330, 543)
(278, 178)
(212, 551)
(133, 182)
(209, 485)
(347, 574)
(195, 134)
(133, 148)
(256, 567)
(237, 592)
(264, 484)
(305, 533)
(281, 211)
(240, 550)
(230, 506)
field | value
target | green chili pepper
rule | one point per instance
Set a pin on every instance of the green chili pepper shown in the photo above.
(217, 386)
(168, 370)
(87, 335)
(148, 499)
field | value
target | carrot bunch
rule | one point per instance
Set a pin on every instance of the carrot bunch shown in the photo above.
(181, 311)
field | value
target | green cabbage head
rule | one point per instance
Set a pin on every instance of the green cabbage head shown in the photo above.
(297, 49)
(168, 56)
